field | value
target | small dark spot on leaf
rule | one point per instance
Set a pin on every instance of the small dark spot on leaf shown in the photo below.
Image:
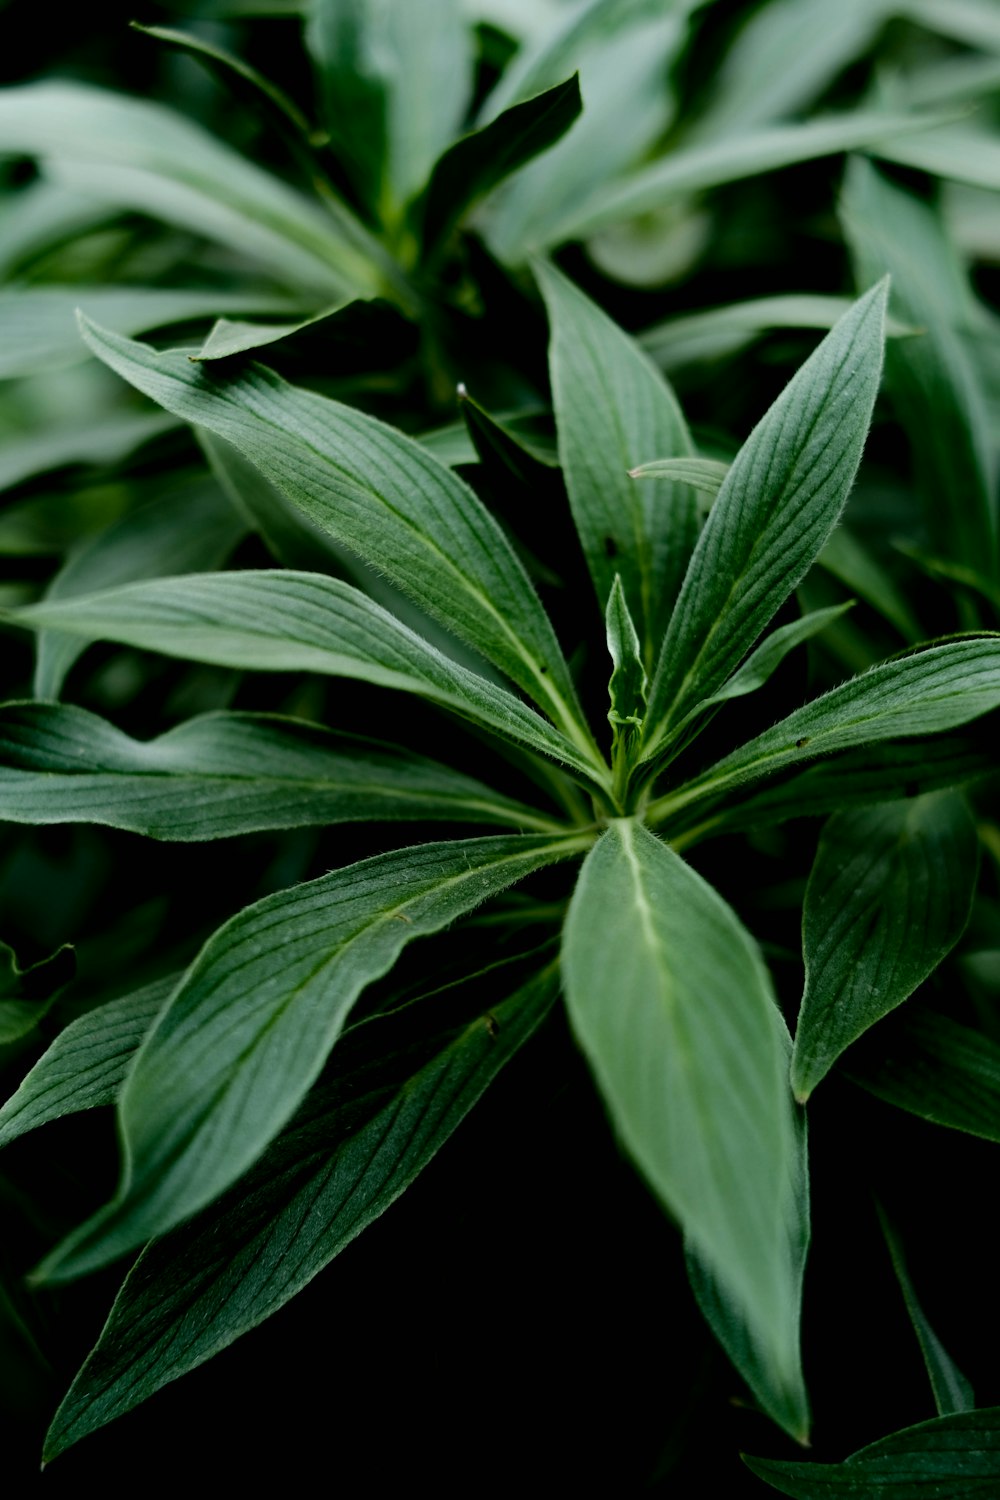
(542, 671)
(803, 741)
(492, 1025)
(610, 547)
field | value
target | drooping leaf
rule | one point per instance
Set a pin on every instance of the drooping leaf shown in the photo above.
(943, 1459)
(778, 504)
(613, 411)
(295, 622)
(394, 81)
(623, 65)
(720, 331)
(247, 1031)
(933, 1067)
(926, 692)
(932, 377)
(224, 774)
(704, 474)
(192, 526)
(382, 495)
(357, 1143)
(675, 1012)
(144, 156)
(479, 162)
(39, 331)
(701, 166)
(952, 1392)
(26, 994)
(85, 1065)
(888, 898)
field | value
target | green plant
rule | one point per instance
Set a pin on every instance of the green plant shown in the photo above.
(286, 1058)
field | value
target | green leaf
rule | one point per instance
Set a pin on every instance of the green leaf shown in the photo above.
(357, 1143)
(627, 688)
(106, 441)
(889, 896)
(778, 504)
(85, 1065)
(970, 21)
(190, 527)
(952, 1456)
(40, 217)
(277, 621)
(926, 692)
(961, 153)
(623, 65)
(479, 162)
(720, 331)
(699, 167)
(674, 1009)
(39, 331)
(27, 994)
(783, 58)
(147, 158)
(248, 1029)
(224, 774)
(933, 1067)
(614, 410)
(382, 495)
(848, 559)
(229, 336)
(932, 378)
(704, 474)
(952, 1392)
(394, 81)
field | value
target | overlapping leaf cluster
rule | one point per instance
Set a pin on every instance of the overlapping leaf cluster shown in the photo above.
(540, 656)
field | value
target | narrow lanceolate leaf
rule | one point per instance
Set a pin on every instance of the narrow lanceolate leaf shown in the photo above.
(357, 1143)
(952, 1392)
(295, 622)
(926, 692)
(614, 410)
(38, 329)
(675, 1011)
(476, 164)
(704, 474)
(85, 1065)
(379, 493)
(191, 526)
(889, 896)
(146, 157)
(223, 774)
(777, 506)
(699, 167)
(627, 688)
(944, 1459)
(394, 81)
(247, 1031)
(933, 377)
(933, 1067)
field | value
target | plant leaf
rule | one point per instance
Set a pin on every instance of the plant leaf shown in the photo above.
(926, 692)
(229, 336)
(627, 688)
(147, 158)
(355, 1146)
(933, 378)
(472, 167)
(191, 526)
(248, 1029)
(952, 1392)
(26, 995)
(102, 442)
(85, 1065)
(224, 774)
(674, 1009)
(282, 621)
(394, 81)
(39, 331)
(701, 166)
(889, 896)
(778, 504)
(933, 1067)
(705, 474)
(936, 1460)
(613, 410)
(379, 493)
